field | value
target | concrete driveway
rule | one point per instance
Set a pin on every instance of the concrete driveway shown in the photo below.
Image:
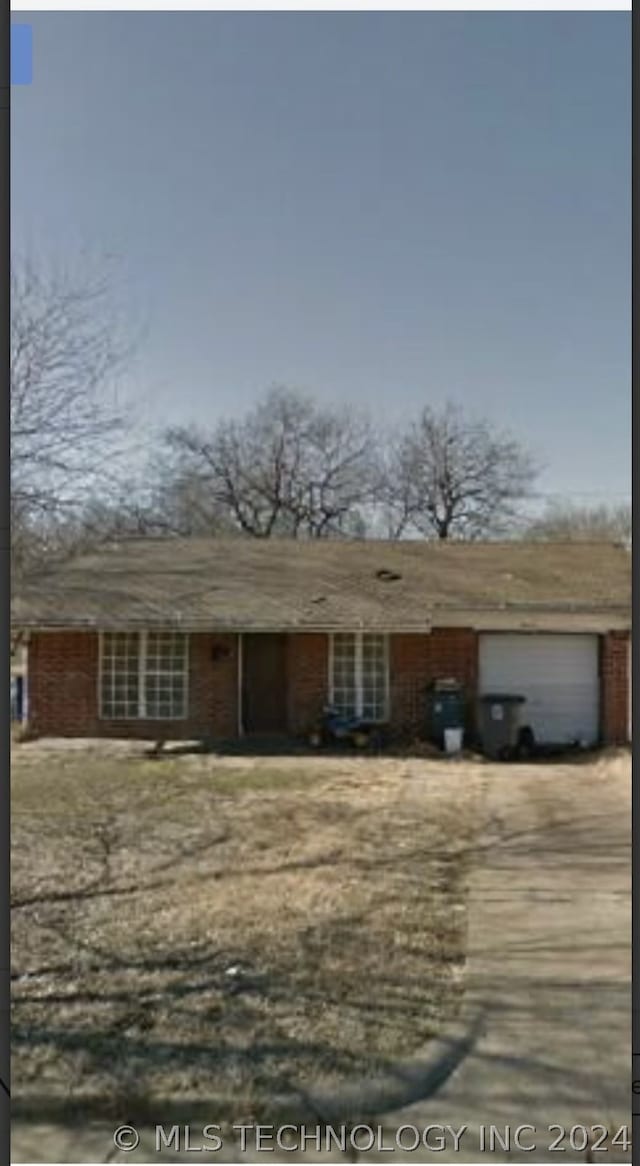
(549, 975)
(549, 946)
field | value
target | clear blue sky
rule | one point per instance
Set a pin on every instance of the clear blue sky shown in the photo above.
(383, 208)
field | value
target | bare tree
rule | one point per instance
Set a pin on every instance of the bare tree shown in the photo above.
(450, 477)
(289, 468)
(66, 424)
(567, 522)
(179, 495)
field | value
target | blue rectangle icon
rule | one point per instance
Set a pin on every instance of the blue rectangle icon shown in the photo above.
(21, 54)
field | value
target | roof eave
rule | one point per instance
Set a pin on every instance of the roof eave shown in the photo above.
(506, 617)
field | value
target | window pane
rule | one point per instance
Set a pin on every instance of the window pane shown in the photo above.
(166, 675)
(344, 674)
(359, 677)
(119, 675)
(344, 702)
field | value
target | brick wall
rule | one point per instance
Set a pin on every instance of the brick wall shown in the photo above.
(307, 679)
(416, 660)
(614, 688)
(63, 670)
(63, 690)
(62, 683)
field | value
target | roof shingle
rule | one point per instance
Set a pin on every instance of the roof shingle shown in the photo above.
(261, 584)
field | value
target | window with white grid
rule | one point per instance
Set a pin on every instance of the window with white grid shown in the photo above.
(165, 675)
(120, 675)
(143, 675)
(359, 675)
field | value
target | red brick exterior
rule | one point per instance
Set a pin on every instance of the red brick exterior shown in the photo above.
(416, 660)
(307, 679)
(614, 688)
(63, 690)
(63, 684)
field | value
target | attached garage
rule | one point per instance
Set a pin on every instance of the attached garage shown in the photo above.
(559, 676)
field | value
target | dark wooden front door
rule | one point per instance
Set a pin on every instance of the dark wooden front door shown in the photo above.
(264, 685)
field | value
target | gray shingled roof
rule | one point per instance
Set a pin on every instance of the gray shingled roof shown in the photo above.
(267, 584)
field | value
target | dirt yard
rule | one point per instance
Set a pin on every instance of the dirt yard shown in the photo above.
(229, 929)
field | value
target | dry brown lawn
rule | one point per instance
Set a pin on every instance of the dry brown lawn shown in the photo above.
(228, 929)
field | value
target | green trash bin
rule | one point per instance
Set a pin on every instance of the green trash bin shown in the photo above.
(445, 709)
(500, 723)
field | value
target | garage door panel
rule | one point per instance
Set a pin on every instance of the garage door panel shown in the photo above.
(558, 675)
(561, 713)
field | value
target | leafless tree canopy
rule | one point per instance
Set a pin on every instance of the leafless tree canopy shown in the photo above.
(566, 522)
(290, 467)
(450, 477)
(65, 422)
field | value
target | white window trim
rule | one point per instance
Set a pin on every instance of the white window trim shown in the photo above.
(359, 636)
(143, 638)
(142, 714)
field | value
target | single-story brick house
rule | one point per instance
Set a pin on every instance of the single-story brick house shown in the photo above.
(186, 638)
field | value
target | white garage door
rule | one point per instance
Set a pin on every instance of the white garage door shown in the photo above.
(557, 674)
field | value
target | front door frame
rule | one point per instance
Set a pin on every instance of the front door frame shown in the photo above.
(239, 700)
(241, 673)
